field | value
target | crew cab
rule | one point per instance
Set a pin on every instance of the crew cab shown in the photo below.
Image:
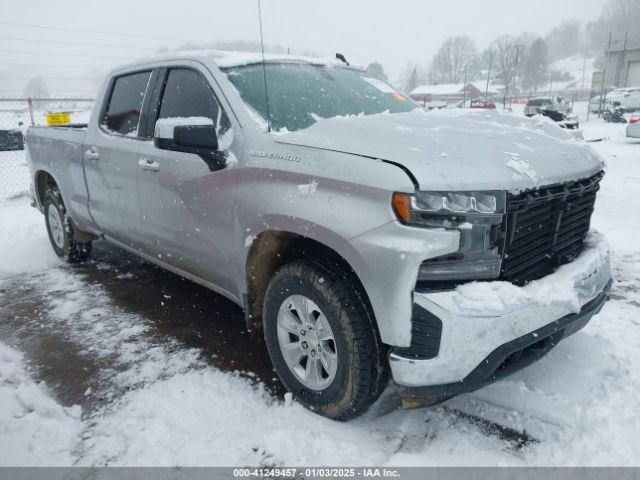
(364, 237)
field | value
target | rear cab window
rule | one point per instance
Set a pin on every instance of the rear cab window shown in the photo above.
(122, 113)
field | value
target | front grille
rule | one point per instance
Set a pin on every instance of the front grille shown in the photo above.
(546, 228)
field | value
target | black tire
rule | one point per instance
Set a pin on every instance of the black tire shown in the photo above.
(70, 248)
(362, 371)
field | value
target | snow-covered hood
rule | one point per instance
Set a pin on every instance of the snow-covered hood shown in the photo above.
(459, 150)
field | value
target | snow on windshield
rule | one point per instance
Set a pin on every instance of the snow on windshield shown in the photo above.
(299, 94)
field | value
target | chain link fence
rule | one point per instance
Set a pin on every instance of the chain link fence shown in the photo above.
(16, 115)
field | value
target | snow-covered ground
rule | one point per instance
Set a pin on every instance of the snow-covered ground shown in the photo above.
(121, 387)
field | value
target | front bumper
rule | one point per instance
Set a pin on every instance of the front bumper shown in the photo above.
(484, 324)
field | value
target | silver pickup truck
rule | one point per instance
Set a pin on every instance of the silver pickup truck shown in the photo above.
(363, 236)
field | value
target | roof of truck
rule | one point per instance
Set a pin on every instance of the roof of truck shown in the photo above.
(226, 59)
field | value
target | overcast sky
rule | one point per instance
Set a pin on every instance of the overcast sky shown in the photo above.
(364, 30)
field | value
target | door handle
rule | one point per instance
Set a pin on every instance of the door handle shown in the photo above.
(149, 165)
(92, 154)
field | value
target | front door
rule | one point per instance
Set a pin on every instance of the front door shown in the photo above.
(187, 209)
(111, 160)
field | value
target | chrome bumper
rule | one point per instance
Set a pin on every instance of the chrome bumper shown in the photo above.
(478, 319)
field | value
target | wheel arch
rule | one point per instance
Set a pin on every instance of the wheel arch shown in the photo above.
(274, 248)
(43, 181)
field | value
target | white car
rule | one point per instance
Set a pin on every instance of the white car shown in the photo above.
(633, 128)
(628, 98)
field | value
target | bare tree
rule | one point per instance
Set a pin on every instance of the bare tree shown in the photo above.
(376, 70)
(504, 57)
(36, 88)
(412, 77)
(455, 54)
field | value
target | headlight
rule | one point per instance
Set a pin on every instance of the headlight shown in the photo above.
(447, 210)
(478, 216)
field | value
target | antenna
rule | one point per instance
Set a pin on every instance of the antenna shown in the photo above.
(264, 69)
(341, 57)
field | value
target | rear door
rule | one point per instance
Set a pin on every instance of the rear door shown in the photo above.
(188, 209)
(111, 159)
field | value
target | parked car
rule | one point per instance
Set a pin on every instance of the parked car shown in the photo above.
(633, 129)
(628, 98)
(486, 103)
(356, 247)
(435, 105)
(554, 103)
(11, 140)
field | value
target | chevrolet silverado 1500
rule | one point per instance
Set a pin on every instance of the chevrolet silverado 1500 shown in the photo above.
(363, 236)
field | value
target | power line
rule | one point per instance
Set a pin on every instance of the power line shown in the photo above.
(79, 44)
(100, 32)
(52, 77)
(84, 55)
(57, 65)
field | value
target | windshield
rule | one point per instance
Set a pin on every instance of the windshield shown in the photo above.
(539, 102)
(300, 94)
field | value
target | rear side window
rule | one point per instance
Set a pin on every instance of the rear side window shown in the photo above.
(187, 94)
(123, 111)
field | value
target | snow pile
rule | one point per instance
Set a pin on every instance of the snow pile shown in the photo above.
(213, 418)
(34, 429)
(521, 167)
(25, 246)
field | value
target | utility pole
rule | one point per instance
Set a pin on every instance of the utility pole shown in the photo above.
(584, 69)
(603, 90)
(464, 89)
(622, 55)
(486, 92)
(515, 75)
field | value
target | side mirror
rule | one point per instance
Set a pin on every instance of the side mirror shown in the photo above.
(195, 135)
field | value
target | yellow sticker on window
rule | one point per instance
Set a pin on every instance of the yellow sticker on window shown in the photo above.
(61, 118)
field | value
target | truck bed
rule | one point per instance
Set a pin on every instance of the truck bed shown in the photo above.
(59, 151)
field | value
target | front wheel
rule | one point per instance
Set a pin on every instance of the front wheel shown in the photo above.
(322, 339)
(61, 231)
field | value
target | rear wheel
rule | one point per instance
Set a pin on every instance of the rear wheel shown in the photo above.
(322, 339)
(61, 231)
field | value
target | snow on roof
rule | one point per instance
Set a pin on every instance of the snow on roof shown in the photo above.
(448, 89)
(225, 59)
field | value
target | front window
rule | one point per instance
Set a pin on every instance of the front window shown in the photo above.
(300, 94)
(187, 94)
